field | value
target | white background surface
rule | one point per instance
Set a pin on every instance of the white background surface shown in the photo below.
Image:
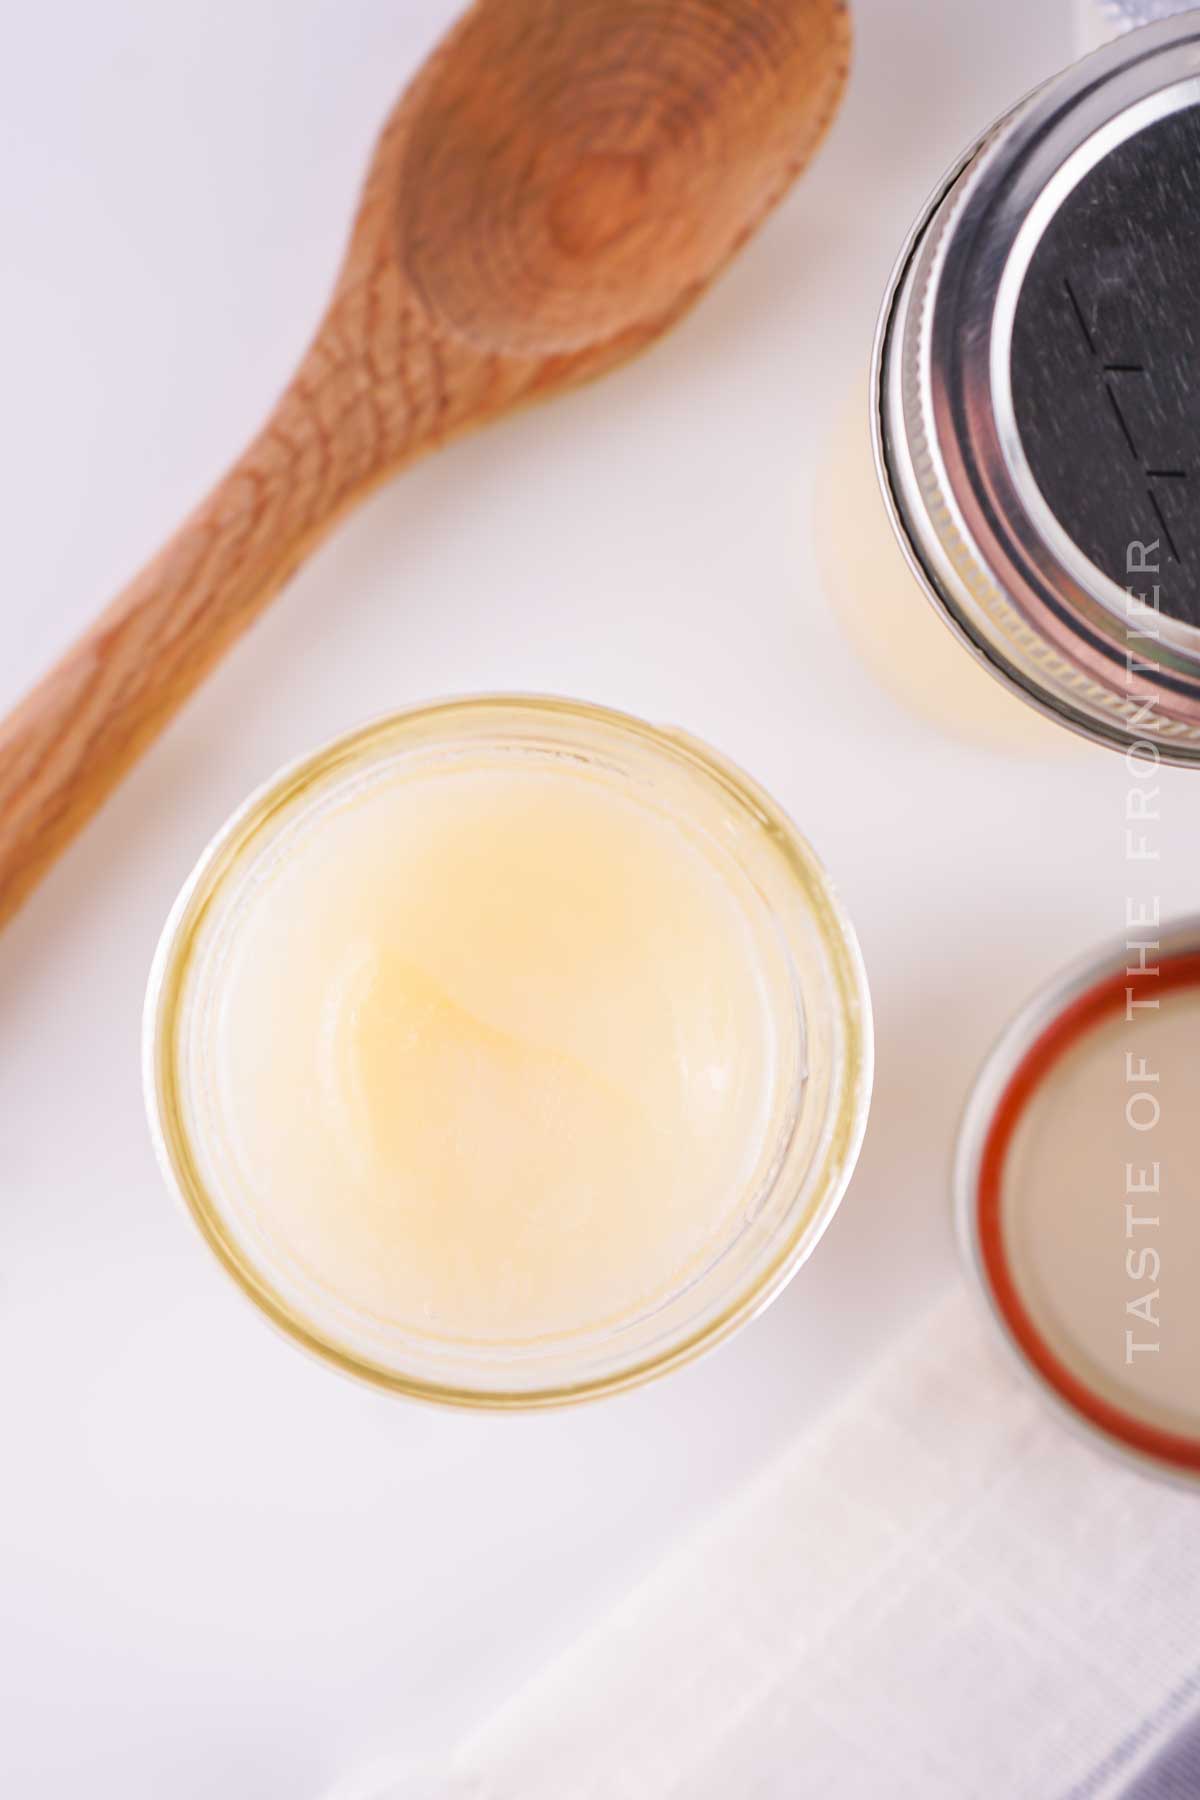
(225, 1570)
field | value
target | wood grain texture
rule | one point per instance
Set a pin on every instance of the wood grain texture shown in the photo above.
(553, 191)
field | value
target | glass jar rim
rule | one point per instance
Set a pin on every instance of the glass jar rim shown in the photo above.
(849, 1091)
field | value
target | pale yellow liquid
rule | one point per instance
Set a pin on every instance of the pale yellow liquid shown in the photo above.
(895, 630)
(493, 1052)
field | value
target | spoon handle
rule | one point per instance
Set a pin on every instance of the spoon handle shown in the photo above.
(70, 740)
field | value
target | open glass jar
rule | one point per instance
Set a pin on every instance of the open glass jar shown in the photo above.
(509, 1051)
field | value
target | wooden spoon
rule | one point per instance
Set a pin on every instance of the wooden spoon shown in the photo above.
(557, 186)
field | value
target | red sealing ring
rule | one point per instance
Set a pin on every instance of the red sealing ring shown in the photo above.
(1108, 997)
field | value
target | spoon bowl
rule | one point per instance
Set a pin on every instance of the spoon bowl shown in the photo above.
(650, 142)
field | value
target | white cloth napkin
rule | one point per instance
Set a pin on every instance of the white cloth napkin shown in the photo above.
(938, 1591)
(1100, 20)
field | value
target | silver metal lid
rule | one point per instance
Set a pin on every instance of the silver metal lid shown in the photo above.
(1037, 383)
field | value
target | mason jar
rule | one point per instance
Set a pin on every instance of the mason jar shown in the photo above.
(420, 935)
(1035, 390)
